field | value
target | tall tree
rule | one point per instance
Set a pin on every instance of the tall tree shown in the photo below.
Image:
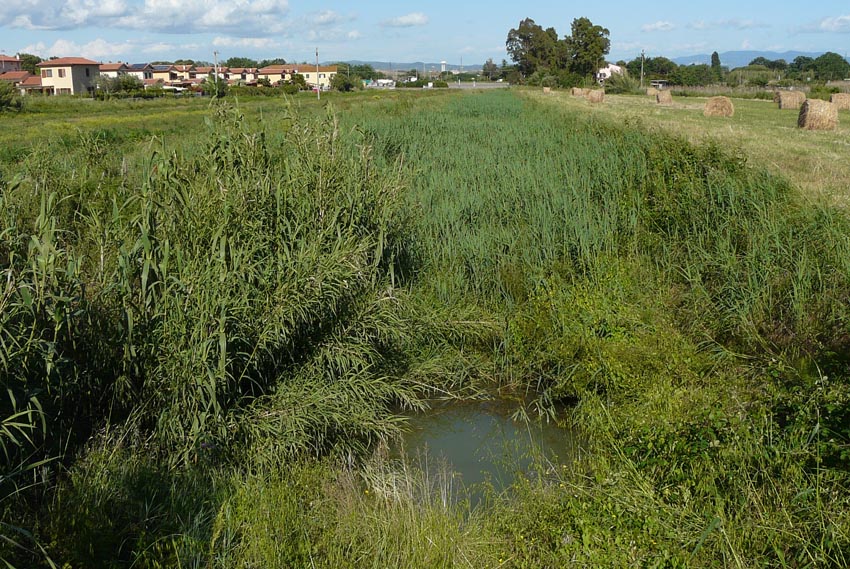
(29, 62)
(716, 69)
(588, 46)
(831, 67)
(239, 62)
(531, 47)
(490, 69)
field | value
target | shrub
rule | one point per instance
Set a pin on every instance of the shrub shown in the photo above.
(621, 83)
(10, 99)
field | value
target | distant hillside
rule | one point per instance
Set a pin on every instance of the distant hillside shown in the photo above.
(732, 59)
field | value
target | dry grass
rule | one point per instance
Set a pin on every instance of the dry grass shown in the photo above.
(595, 96)
(790, 99)
(818, 115)
(664, 97)
(719, 107)
(651, 91)
(818, 162)
(841, 101)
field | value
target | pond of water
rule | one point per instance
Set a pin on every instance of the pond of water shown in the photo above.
(484, 441)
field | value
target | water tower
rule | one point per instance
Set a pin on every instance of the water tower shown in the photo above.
(442, 67)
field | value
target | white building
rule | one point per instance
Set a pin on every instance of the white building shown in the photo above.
(607, 71)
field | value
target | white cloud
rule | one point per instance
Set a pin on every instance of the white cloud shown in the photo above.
(60, 14)
(833, 24)
(354, 35)
(660, 26)
(746, 44)
(406, 21)
(728, 24)
(98, 49)
(249, 17)
(254, 43)
(329, 18)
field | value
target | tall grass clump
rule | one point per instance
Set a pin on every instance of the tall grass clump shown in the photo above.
(229, 299)
(684, 298)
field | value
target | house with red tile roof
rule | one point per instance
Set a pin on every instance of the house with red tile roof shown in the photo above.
(9, 63)
(184, 72)
(113, 70)
(69, 75)
(322, 78)
(31, 84)
(165, 73)
(244, 75)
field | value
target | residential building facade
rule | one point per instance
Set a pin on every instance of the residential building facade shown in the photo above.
(9, 63)
(69, 75)
(113, 70)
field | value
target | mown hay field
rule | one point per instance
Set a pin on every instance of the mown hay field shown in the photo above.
(816, 161)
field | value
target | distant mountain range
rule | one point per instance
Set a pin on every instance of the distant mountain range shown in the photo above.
(733, 59)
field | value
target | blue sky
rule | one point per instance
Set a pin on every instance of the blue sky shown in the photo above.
(404, 30)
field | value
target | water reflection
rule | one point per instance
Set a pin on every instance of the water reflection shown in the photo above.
(482, 442)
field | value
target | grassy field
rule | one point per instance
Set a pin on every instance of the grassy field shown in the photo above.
(817, 162)
(212, 314)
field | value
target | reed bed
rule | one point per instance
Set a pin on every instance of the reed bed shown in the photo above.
(227, 314)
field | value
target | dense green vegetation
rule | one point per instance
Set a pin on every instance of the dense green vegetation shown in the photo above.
(206, 339)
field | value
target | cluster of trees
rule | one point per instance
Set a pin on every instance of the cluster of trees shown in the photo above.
(828, 67)
(667, 70)
(542, 54)
(760, 71)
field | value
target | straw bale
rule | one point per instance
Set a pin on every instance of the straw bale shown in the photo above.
(579, 92)
(651, 91)
(791, 99)
(719, 107)
(818, 115)
(841, 101)
(664, 97)
(776, 96)
(547, 90)
(595, 96)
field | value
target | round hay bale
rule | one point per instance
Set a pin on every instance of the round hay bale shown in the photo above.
(818, 115)
(547, 90)
(664, 97)
(841, 101)
(651, 91)
(776, 96)
(791, 99)
(580, 92)
(719, 107)
(595, 96)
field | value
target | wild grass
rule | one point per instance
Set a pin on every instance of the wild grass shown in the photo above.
(231, 310)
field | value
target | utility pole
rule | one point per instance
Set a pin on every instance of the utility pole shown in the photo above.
(215, 72)
(318, 84)
(641, 68)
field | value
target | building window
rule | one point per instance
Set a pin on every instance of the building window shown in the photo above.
(148, 75)
(47, 73)
(87, 72)
(61, 73)
(321, 76)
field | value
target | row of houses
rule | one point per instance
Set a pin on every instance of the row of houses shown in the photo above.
(77, 75)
